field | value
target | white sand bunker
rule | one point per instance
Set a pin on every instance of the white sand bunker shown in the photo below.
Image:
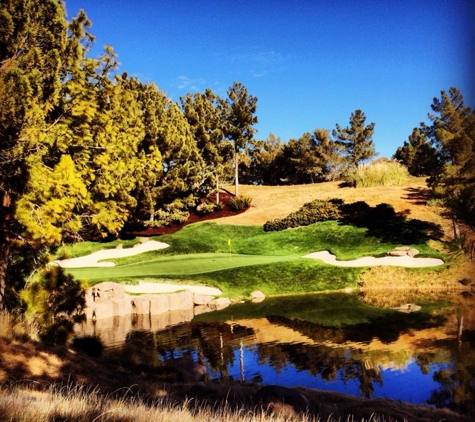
(370, 261)
(93, 259)
(144, 287)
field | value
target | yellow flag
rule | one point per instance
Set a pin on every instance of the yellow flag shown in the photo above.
(229, 242)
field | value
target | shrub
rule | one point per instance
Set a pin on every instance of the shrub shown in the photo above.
(239, 203)
(381, 172)
(164, 218)
(57, 301)
(312, 212)
(206, 208)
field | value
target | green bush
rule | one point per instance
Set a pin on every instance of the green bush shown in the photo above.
(239, 203)
(56, 301)
(312, 212)
(164, 218)
(206, 208)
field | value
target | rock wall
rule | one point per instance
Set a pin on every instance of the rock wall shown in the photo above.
(108, 300)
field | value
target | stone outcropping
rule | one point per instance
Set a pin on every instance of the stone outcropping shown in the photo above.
(403, 251)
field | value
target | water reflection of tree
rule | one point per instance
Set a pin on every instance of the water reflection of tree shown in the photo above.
(365, 375)
(140, 349)
(323, 361)
(457, 376)
(215, 342)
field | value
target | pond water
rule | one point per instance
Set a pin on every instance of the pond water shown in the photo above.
(367, 345)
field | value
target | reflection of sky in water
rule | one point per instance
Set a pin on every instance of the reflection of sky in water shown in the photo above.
(407, 384)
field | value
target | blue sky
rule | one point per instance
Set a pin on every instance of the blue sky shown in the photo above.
(309, 63)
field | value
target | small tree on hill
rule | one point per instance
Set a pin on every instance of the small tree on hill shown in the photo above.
(238, 114)
(356, 140)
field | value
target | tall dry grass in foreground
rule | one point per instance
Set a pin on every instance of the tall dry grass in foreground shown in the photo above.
(78, 404)
(15, 326)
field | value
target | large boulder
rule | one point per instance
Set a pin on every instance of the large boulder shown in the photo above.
(219, 303)
(200, 299)
(257, 296)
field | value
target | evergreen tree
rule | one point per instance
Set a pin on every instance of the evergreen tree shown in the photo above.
(356, 140)
(238, 114)
(418, 155)
(264, 163)
(302, 163)
(312, 158)
(453, 132)
(32, 45)
(171, 173)
(202, 111)
(327, 153)
(452, 127)
(179, 180)
(151, 101)
(57, 301)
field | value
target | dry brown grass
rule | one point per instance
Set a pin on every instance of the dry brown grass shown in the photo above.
(270, 202)
(85, 404)
(408, 286)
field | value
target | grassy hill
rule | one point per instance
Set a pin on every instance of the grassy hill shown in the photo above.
(270, 202)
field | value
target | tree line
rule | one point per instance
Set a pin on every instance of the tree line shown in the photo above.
(84, 149)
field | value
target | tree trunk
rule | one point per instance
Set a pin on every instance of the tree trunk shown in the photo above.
(455, 228)
(217, 190)
(236, 174)
(4, 256)
(5, 205)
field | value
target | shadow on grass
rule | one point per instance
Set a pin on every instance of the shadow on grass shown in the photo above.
(418, 196)
(384, 223)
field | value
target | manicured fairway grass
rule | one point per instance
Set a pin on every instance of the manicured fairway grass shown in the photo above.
(240, 259)
(176, 265)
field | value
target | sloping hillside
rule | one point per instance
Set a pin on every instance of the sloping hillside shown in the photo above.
(270, 202)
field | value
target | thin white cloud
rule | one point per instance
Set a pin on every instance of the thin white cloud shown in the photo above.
(260, 63)
(190, 84)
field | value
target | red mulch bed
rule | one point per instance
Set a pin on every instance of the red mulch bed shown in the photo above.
(194, 217)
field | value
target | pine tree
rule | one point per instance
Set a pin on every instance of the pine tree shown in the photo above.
(453, 132)
(356, 140)
(418, 154)
(238, 114)
(264, 162)
(203, 115)
(326, 151)
(32, 45)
